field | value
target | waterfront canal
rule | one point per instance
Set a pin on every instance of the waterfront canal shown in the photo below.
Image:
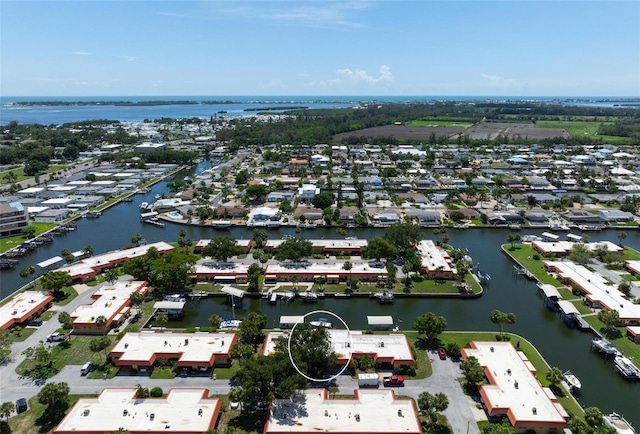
(561, 346)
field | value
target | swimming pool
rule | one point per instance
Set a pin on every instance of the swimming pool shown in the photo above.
(175, 215)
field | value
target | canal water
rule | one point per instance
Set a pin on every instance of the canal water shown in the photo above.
(561, 346)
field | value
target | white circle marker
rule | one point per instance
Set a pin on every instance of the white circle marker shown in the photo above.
(301, 320)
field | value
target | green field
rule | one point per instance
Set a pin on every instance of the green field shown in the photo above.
(14, 241)
(582, 129)
(20, 176)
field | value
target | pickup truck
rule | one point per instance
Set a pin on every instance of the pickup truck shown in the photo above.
(56, 337)
(393, 381)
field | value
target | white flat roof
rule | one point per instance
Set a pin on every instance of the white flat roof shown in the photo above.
(31, 190)
(322, 268)
(311, 411)
(392, 347)
(597, 288)
(193, 348)
(21, 305)
(565, 246)
(107, 301)
(291, 319)
(119, 255)
(182, 411)
(49, 262)
(57, 201)
(528, 402)
(434, 258)
(568, 308)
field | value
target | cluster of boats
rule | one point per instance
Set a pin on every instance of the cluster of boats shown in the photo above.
(623, 365)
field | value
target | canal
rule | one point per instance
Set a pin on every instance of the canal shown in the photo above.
(561, 346)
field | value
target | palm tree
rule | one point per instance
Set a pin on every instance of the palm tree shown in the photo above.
(214, 321)
(6, 408)
(162, 320)
(88, 251)
(101, 321)
(621, 236)
(554, 376)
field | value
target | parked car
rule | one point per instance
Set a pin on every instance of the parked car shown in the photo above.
(21, 405)
(35, 322)
(86, 368)
(442, 354)
(56, 337)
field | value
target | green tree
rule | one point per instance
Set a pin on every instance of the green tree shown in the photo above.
(214, 321)
(53, 393)
(100, 343)
(500, 318)
(593, 417)
(242, 352)
(472, 371)
(6, 408)
(257, 192)
(579, 254)
(221, 248)
(136, 239)
(323, 200)
(625, 288)
(67, 255)
(254, 271)
(554, 376)
(136, 299)
(236, 394)
(250, 331)
(260, 238)
(54, 281)
(294, 249)
(170, 273)
(162, 320)
(610, 318)
(310, 349)
(513, 238)
(378, 248)
(111, 275)
(430, 405)
(430, 325)
(88, 251)
(101, 321)
(621, 236)
(403, 235)
(65, 320)
(28, 271)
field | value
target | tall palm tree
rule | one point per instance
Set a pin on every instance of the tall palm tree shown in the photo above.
(88, 251)
(6, 408)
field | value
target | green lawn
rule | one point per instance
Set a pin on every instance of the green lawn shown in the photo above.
(523, 254)
(618, 338)
(583, 129)
(9, 243)
(20, 175)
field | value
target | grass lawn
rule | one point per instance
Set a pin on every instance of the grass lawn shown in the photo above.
(162, 373)
(631, 255)
(20, 335)
(68, 294)
(464, 338)
(582, 308)
(226, 373)
(582, 129)
(9, 243)
(423, 364)
(523, 254)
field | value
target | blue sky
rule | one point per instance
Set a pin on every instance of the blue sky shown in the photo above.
(313, 47)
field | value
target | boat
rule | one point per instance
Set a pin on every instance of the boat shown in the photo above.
(530, 238)
(273, 297)
(321, 322)
(604, 346)
(619, 423)
(145, 206)
(384, 296)
(515, 226)
(93, 214)
(157, 196)
(308, 296)
(230, 324)
(572, 380)
(626, 367)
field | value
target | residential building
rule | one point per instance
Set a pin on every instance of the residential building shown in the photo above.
(22, 307)
(13, 218)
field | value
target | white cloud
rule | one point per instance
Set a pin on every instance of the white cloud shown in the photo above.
(360, 75)
(80, 53)
(498, 82)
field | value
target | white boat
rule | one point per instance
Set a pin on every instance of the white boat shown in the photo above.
(144, 206)
(626, 368)
(530, 238)
(308, 296)
(604, 346)
(322, 322)
(572, 380)
(618, 423)
(230, 324)
(158, 196)
(384, 296)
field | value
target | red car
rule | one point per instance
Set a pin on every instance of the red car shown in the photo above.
(442, 354)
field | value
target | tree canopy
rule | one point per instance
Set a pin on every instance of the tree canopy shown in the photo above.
(294, 249)
(403, 235)
(430, 325)
(222, 248)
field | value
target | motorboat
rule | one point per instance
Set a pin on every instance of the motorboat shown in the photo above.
(321, 322)
(308, 296)
(626, 368)
(618, 423)
(572, 380)
(384, 296)
(230, 324)
(604, 346)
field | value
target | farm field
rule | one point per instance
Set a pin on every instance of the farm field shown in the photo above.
(582, 129)
(524, 130)
(402, 132)
(438, 123)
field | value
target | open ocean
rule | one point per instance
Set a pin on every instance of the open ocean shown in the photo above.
(56, 115)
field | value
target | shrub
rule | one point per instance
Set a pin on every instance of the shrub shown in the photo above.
(156, 392)
(536, 257)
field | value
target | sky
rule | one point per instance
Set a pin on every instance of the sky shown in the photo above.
(324, 48)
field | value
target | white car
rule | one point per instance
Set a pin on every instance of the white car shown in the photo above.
(56, 337)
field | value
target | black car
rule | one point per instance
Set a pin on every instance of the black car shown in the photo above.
(35, 322)
(21, 405)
